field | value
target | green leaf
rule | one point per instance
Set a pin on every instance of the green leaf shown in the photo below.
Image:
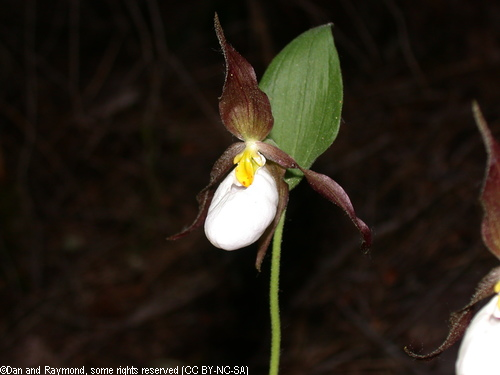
(304, 85)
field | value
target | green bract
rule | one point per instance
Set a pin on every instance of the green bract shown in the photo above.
(304, 85)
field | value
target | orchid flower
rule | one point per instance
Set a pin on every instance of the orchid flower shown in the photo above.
(247, 193)
(479, 348)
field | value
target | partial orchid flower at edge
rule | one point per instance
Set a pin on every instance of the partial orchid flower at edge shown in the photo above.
(246, 113)
(484, 330)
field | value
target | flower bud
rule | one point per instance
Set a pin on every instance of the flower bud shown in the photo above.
(478, 354)
(238, 215)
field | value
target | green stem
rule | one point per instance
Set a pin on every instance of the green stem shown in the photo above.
(274, 299)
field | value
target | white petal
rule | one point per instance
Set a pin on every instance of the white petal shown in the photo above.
(480, 348)
(238, 216)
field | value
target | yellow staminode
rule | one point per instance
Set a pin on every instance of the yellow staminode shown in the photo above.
(248, 162)
(497, 290)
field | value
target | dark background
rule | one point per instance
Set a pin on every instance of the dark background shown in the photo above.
(109, 128)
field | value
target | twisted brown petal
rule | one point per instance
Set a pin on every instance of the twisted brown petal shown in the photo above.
(459, 320)
(332, 191)
(278, 174)
(221, 167)
(245, 109)
(322, 184)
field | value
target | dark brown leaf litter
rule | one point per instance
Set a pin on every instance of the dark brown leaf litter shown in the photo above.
(110, 126)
